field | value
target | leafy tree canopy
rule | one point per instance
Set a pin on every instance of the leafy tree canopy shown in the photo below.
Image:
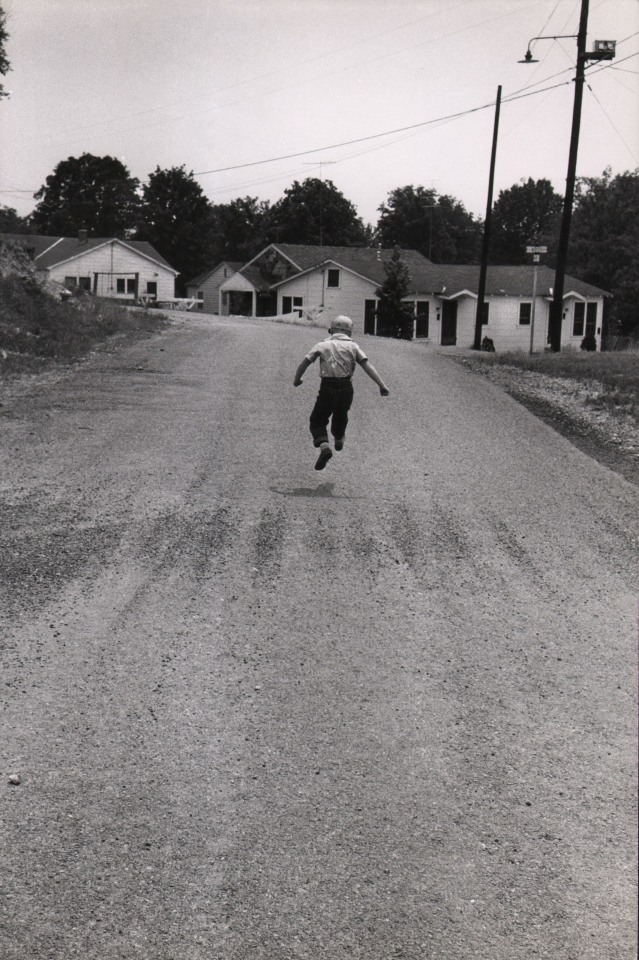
(11, 222)
(439, 227)
(238, 231)
(526, 213)
(5, 66)
(315, 212)
(604, 247)
(177, 219)
(93, 193)
(394, 318)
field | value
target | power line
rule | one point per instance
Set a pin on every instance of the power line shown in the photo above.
(376, 136)
(520, 94)
(612, 124)
(297, 82)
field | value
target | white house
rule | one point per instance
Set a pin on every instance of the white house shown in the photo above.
(312, 281)
(516, 307)
(107, 267)
(205, 288)
(322, 282)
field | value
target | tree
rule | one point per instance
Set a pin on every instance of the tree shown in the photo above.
(315, 212)
(11, 222)
(177, 219)
(5, 66)
(439, 227)
(238, 229)
(93, 193)
(394, 317)
(526, 213)
(604, 247)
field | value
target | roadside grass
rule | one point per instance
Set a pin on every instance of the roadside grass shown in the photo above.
(612, 376)
(37, 329)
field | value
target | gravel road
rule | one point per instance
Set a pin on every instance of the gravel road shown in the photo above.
(256, 711)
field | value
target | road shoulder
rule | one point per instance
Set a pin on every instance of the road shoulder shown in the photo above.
(566, 405)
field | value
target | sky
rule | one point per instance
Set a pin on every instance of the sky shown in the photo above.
(373, 95)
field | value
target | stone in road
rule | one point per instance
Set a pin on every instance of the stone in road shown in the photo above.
(256, 711)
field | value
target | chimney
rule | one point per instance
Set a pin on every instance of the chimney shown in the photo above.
(83, 235)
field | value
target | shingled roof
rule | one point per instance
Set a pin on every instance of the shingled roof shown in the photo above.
(49, 251)
(511, 281)
(235, 265)
(366, 261)
(426, 277)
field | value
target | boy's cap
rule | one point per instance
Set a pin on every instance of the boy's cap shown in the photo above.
(345, 324)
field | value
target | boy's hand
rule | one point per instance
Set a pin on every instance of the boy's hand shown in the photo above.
(384, 391)
(297, 382)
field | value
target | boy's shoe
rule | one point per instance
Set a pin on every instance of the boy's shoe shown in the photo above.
(325, 455)
(339, 443)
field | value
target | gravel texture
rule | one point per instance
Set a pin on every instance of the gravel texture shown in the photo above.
(573, 409)
(252, 710)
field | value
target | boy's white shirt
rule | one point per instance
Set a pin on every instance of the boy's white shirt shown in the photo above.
(338, 355)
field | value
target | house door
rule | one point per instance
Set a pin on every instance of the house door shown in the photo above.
(421, 322)
(240, 303)
(369, 316)
(449, 323)
(266, 305)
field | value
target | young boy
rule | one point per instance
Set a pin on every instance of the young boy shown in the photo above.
(338, 355)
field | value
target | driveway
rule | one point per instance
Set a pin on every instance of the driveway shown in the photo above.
(257, 711)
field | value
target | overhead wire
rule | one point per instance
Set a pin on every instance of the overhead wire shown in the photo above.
(522, 93)
(298, 82)
(261, 76)
(411, 129)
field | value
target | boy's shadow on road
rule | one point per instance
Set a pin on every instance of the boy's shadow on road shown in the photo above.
(322, 490)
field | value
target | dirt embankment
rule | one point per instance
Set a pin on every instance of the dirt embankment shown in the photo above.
(570, 407)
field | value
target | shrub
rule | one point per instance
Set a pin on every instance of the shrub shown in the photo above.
(36, 324)
(589, 342)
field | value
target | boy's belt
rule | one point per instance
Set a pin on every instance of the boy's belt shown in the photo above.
(336, 382)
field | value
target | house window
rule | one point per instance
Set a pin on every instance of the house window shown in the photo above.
(422, 311)
(578, 319)
(70, 282)
(130, 285)
(525, 313)
(287, 304)
(84, 283)
(333, 278)
(591, 319)
(200, 299)
(298, 303)
(119, 285)
(151, 288)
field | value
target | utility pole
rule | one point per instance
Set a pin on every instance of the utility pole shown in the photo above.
(557, 305)
(604, 50)
(483, 270)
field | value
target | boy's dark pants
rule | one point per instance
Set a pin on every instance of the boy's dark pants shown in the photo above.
(333, 401)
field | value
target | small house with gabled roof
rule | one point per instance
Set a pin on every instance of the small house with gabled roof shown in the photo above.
(516, 306)
(126, 270)
(205, 288)
(318, 283)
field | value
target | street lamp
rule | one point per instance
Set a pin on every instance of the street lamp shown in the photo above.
(528, 57)
(604, 50)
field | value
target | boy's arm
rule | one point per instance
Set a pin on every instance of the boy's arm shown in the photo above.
(368, 368)
(299, 373)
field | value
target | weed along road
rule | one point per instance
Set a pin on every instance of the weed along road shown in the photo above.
(251, 710)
